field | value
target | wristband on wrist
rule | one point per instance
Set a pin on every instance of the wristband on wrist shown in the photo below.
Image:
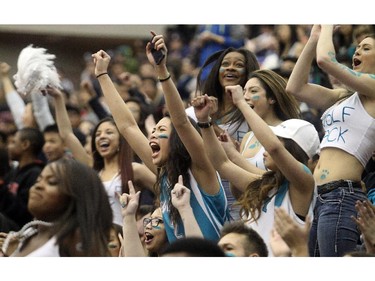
(165, 79)
(205, 125)
(101, 74)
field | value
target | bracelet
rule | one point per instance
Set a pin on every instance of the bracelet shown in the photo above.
(205, 125)
(104, 73)
(165, 79)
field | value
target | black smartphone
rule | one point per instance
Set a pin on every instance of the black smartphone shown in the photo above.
(157, 54)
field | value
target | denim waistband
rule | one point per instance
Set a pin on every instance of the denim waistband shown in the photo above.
(329, 186)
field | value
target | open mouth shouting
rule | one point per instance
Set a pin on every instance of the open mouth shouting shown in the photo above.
(356, 62)
(148, 238)
(103, 145)
(155, 149)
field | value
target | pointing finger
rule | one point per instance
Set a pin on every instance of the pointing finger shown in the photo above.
(180, 180)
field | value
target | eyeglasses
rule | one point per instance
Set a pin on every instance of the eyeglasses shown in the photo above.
(154, 222)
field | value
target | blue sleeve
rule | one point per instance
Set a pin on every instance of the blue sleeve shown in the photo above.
(371, 195)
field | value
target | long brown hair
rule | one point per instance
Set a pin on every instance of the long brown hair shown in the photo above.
(251, 201)
(124, 160)
(87, 218)
(178, 163)
(286, 106)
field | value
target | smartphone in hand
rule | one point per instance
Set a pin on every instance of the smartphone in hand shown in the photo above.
(157, 54)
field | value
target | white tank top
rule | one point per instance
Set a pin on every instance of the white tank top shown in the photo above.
(257, 159)
(111, 187)
(281, 199)
(49, 249)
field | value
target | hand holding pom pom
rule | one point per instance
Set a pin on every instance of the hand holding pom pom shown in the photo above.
(36, 71)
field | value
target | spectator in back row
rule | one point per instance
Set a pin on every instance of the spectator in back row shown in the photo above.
(25, 148)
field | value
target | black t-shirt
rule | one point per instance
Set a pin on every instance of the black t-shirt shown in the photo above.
(14, 193)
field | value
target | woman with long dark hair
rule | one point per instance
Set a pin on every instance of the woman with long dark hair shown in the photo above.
(174, 148)
(72, 215)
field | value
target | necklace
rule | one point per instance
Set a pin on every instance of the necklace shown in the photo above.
(27, 231)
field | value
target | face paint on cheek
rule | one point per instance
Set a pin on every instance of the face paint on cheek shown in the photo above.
(163, 136)
(112, 246)
(255, 97)
(241, 70)
(156, 227)
(221, 69)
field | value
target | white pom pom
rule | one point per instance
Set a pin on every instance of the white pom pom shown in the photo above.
(36, 71)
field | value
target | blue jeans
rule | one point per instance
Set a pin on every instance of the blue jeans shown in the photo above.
(333, 232)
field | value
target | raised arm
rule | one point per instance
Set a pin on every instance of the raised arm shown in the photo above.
(14, 100)
(66, 130)
(181, 201)
(203, 107)
(298, 84)
(292, 169)
(132, 245)
(361, 78)
(42, 113)
(235, 156)
(201, 166)
(123, 117)
(91, 98)
(144, 178)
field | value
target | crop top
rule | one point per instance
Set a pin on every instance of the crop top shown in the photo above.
(349, 127)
